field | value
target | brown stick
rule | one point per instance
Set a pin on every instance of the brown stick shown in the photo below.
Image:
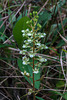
(61, 20)
(43, 6)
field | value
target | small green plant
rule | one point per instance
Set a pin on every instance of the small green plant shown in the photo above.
(31, 47)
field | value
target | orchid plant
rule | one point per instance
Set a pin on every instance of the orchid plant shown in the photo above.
(32, 45)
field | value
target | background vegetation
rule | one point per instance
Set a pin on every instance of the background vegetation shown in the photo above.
(53, 18)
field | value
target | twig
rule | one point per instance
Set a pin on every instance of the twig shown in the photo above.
(9, 8)
(8, 39)
(19, 9)
(5, 79)
(3, 18)
(14, 88)
(36, 54)
(29, 9)
(62, 66)
(47, 56)
(62, 37)
(61, 20)
(66, 75)
(43, 6)
(20, 88)
(16, 14)
(51, 68)
(63, 91)
(50, 78)
(4, 22)
(4, 96)
(8, 64)
(13, 49)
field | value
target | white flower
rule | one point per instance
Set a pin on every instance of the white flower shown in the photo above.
(31, 30)
(45, 60)
(30, 91)
(22, 31)
(29, 34)
(24, 46)
(22, 73)
(31, 55)
(20, 51)
(38, 65)
(42, 46)
(25, 60)
(36, 41)
(27, 29)
(24, 34)
(41, 35)
(27, 43)
(36, 71)
(29, 40)
(38, 44)
(24, 63)
(27, 74)
(24, 41)
(46, 47)
(24, 51)
(44, 34)
(41, 59)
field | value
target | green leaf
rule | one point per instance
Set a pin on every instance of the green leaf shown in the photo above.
(54, 30)
(60, 84)
(39, 98)
(56, 92)
(20, 64)
(20, 25)
(2, 36)
(64, 50)
(28, 68)
(11, 16)
(61, 43)
(54, 51)
(20, 16)
(3, 45)
(65, 95)
(25, 13)
(44, 17)
(60, 3)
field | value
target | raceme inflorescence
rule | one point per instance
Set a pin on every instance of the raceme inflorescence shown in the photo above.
(32, 45)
